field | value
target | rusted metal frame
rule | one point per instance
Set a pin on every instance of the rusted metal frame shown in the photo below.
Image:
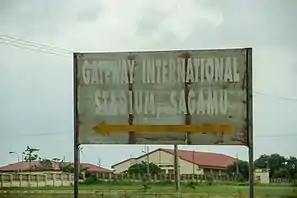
(132, 135)
(186, 90)
(242, 135)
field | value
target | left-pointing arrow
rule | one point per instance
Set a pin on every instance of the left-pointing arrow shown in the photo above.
(103, 128)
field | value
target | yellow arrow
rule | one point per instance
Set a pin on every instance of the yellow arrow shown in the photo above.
(104, 128)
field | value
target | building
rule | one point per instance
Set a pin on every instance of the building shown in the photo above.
(262, 176)
(53, 166)
(190, 162)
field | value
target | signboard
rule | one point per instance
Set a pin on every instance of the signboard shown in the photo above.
(196, 97)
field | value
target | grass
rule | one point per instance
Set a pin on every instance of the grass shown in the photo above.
(137, 190)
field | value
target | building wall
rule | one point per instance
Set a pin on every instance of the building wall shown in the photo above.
(124, 166)
(165, 161)
(262, 176)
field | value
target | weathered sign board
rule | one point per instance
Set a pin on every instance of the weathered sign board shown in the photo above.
(196, 97)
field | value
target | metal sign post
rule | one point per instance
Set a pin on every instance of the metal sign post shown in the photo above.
(176, 169)
(75, 142)
(76, 170)
(250, 121)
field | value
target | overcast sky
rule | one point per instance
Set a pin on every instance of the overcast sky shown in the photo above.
(36, 94)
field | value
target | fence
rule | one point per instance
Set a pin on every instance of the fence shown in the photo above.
(35, 179)
(57, 179)
(110, 177)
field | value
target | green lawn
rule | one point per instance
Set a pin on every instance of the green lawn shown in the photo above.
(135, 190)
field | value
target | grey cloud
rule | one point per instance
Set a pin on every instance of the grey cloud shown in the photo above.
(46, 17)
(150, 21)
(247, 23)
(261, 23)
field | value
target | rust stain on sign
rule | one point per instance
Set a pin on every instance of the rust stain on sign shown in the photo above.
(217, 128)
(184, 54)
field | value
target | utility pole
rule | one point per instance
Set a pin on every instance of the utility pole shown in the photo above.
(237, 168)
(148, 161)
(193, 159)
(176, 169)
(146, 152)
(99, 161)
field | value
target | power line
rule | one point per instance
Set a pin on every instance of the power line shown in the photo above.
(31, 43)
(276, 96)
(35, 135)
(34, 46)
(277, 135)
(32, 49)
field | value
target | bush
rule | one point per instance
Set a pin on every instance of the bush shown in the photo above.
(209, 180)
(92, 179)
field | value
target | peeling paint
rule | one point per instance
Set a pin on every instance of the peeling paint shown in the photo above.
(236, 115)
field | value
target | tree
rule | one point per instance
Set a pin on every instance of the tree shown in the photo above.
(49, 164)
(291, 166)
(273, 162)
(46, 164)
(141, 168)
(243, 170)
(31, 154)
(281, 173)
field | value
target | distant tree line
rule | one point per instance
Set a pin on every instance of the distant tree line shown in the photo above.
(277, 165)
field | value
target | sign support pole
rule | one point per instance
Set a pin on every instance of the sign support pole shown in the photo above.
(176, 170)
(250, 121)
(75, 125)
(76, 170)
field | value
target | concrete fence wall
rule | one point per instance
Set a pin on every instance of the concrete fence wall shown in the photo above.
(110, 177)
(35, 179)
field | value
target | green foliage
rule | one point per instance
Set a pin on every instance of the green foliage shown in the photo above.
(66, 168)
(281, 173)
(45, 164)
(91, 178)
(192, 184)
(279, 166)
(69, 168)
(243, 170)
(30, 154)
(291, 166)
(143, 168)
(209, 180)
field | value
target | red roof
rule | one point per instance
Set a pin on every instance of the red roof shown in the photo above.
(204, 159)
(55, 166)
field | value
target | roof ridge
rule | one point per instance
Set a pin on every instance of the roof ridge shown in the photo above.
(197, 151)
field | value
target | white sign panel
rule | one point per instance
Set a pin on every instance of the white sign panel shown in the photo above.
(174, 97)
